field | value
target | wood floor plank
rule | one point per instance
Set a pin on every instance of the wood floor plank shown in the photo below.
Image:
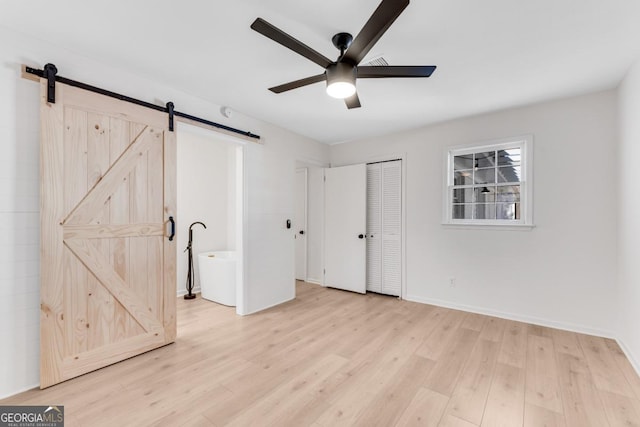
(513, 350)
(606, 372)
(448, 369)
(581, 402)
(196, 421)
(443, 331)
(493, 329)
(566, 342)
(331, 358)
(425, 409)
(470, 394)
(393, 399)
(284, 401)
(625, 366)
(186, 416)
(451, 421)
(535, 416)
(505, 403)
(540, 331)
(542, 374)
(473, 321)
(621, 410)
(378, 370)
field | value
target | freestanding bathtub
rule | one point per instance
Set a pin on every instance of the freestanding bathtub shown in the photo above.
(218, 276)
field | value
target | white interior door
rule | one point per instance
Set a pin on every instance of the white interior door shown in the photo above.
(300, 223)
(345, 227)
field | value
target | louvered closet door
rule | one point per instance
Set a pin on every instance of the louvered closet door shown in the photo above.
(107, 268)
(384, 227)
(374, 228)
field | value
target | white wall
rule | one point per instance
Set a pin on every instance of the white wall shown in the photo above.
(628, 210)
(563, 272)
(19, 224)
(315, 220)
(204, 193)
(269, 170)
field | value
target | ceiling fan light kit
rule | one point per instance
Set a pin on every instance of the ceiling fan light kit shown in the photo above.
(341, 80)
(342, 73)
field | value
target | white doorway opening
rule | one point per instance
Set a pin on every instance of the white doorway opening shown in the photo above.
(210, 189)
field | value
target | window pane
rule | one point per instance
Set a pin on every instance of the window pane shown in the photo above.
(462, 195)
(485, 176)
(462, 211)
(485, 160)
(509, 211)
(508, 193)
(485, 211)
(462, 178)
(509, 174)
(463, 162)
(485, 194)
(509, 157)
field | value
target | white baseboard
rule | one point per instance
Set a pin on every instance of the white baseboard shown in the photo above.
(20, 390)
(184, 291)
(268, 307)
(517, 317)
(314, 281)
(635, 362)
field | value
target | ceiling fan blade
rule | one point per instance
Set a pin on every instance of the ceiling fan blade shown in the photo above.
(380, 21)
(298, 83)
(353, 101)
(367, 72)
(279, 36)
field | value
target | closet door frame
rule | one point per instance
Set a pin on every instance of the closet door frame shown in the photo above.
(403, 194)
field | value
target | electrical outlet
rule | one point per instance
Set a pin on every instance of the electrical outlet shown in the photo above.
(452, 282)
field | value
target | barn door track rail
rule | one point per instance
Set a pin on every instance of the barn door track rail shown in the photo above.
(50, 73)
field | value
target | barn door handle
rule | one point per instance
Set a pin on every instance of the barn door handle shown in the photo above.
(360, 236)
(173, 228)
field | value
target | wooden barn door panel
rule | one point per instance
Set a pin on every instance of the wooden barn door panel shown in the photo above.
(107, 268)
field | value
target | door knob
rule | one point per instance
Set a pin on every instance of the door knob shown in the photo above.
(301, 231)
(360, 236)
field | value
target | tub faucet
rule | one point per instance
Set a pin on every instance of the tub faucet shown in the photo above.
(190, 294)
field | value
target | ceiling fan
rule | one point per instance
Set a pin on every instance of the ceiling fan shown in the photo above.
(341, 74)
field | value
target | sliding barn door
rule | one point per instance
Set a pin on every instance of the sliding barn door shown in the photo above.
(107, 265)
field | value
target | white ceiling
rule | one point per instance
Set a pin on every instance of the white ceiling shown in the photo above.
(491, 54)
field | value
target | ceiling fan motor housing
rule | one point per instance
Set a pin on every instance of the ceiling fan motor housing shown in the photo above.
(341, 72)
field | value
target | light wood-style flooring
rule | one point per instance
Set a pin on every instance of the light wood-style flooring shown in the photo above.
(332, 358)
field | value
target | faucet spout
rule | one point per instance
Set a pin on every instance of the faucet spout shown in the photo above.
(197, 222)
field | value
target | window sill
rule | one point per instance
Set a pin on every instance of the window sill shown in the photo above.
(504, 227)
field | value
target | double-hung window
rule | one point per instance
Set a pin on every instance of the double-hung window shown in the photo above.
(490, 183)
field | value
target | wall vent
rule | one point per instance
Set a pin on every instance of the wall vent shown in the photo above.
(378, 61)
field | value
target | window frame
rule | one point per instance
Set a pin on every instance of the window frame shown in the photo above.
(525, 143)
